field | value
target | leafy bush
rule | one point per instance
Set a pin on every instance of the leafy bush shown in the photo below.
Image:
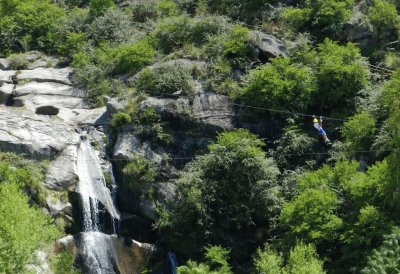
(18, 61)
(19, 219)
(296, 18)
(340, 206)
(216, 259)
(31, 23)
(341, 74)
(165, 79)
(173, 33)
(322, 17)
(359, 131)
(133, 57)
(69, 34)
(281, 84)
(113, 26)
(311, 216)
(63, 263)
(119, 119)
(99, 7)
(148, 126)
(228, 196)
(233, 47)
(303, 258)
(292, 142)
(139, 173)
(143, 10)
(385, 259)
(248, 10)
(383, 16)
(166, 8)
(28, 175)
(237, 44)
(268, 261)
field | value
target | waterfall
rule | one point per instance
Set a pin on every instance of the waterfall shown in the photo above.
(92, 187)
(98, 251)
(173, 262)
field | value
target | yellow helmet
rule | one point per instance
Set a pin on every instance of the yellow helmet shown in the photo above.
(315, 120)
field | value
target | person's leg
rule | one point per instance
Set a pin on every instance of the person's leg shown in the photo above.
(324, 135)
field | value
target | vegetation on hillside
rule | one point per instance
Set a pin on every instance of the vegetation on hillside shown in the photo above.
(286, 205)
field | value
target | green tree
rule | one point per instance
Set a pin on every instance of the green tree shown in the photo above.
(312, 216)
(99, 7)
(385, 259)
(267, 261)
(383, 16)
(322, 17)
(292, 143)
(303, 258)
(216, 262)
(31, 23)
(281, 84)
(132, 57)
(228, 196)
(359, 131)
(341, 74)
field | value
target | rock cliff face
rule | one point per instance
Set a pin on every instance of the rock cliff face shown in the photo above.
(42, 115)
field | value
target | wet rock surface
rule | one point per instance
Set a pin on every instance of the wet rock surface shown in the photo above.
(118, 255)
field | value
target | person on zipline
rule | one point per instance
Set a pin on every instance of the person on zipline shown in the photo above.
(321, 131)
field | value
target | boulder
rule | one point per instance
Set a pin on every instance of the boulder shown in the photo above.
(6, 76)
(90, 117)
(58, 207)
(37, 136)
(128, 144)
(62, 173)
(267, 46)
(96, 252)
(4, 64)
(62, 76)
(6, 91)
(113, 106)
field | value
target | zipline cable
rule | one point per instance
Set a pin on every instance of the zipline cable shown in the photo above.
(280, 154)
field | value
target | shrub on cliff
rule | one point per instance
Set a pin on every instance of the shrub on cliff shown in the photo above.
(165, 79)
(28, 25)
(173, 33)
(18, 220)
(281, 84)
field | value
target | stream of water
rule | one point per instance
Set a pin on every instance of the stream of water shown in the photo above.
(98, 250)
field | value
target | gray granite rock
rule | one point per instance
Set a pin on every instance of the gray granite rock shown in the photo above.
(62, 76)
(37, 136)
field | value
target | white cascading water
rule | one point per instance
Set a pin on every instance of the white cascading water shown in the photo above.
(98, 251)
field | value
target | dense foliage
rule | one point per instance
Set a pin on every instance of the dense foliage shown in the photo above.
(286, 205)
(232, 189)
(20, 219)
